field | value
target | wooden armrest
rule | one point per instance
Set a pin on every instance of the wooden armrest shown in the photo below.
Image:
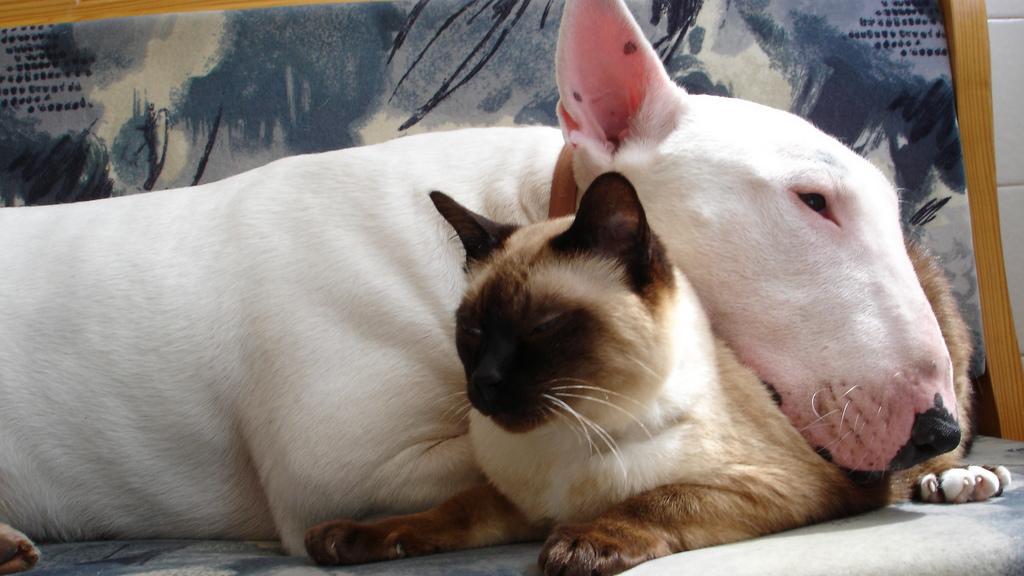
(1001, 388)
(36, 12)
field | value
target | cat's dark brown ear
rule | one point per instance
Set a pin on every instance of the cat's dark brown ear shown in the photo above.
(479, 235)
(611, 222)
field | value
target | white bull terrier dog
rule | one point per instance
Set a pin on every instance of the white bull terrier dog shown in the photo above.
(248, 358)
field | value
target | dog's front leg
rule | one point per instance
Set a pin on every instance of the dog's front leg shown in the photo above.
(17, 553)
(478, 517)
(944, 480)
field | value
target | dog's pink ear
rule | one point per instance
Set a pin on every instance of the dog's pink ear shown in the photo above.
(612, 84)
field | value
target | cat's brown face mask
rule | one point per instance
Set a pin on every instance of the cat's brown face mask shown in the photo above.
(521, 355)
(545, 311)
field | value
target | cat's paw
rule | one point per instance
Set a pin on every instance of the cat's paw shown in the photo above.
(347, 542)
(961, 485)
(17, 552)
(597, 549)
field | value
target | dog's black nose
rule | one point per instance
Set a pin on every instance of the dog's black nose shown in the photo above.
(935, 432)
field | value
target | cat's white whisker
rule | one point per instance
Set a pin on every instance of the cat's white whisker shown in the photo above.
(584, 385)
(463, 407)
(447, 398)
(604, 436)
(553, 409)
(644, 366)
(458, 403)
(583, 427)
(468, 410)
(454, 394)
(601, 433)
(610, 405)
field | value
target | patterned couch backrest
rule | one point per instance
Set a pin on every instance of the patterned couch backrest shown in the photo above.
(130, 105)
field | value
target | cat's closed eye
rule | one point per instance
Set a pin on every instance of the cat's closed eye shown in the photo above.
(550, 324)
(547, 324)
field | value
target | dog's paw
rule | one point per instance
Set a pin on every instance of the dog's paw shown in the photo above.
(961, 485)
(597, 549)
(347, 542)
(17, 552)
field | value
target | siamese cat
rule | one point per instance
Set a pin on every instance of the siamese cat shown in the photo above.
(603, 412)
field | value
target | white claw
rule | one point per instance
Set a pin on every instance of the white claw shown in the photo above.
(930, 489)
(986, 484)
(1004, 477)
(957, 485)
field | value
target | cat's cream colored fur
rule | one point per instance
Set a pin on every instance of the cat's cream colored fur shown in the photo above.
(659, 399)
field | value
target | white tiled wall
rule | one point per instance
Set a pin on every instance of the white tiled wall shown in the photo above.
(1006, 34)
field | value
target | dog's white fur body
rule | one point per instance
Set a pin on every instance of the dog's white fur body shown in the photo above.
(171, 361)
(253, 356)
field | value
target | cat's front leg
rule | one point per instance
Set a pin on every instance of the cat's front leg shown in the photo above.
(17, 552)
(650, 525)
(678, 517)
(599, 548)
(478, 517)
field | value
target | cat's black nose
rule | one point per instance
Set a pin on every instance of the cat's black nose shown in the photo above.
(483, 389)
(935, 432)
(487, 379)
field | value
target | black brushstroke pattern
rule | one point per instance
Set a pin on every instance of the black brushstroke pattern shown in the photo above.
(154, 136)
(927, 212)
(483, 51)
(680, 16)
(403, 32)
(544, 16)
(68, 168)
(210, 141)
(932, 113)
(437, 34)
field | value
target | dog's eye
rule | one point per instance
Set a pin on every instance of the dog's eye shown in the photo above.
(815, 202)
(471, 330)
